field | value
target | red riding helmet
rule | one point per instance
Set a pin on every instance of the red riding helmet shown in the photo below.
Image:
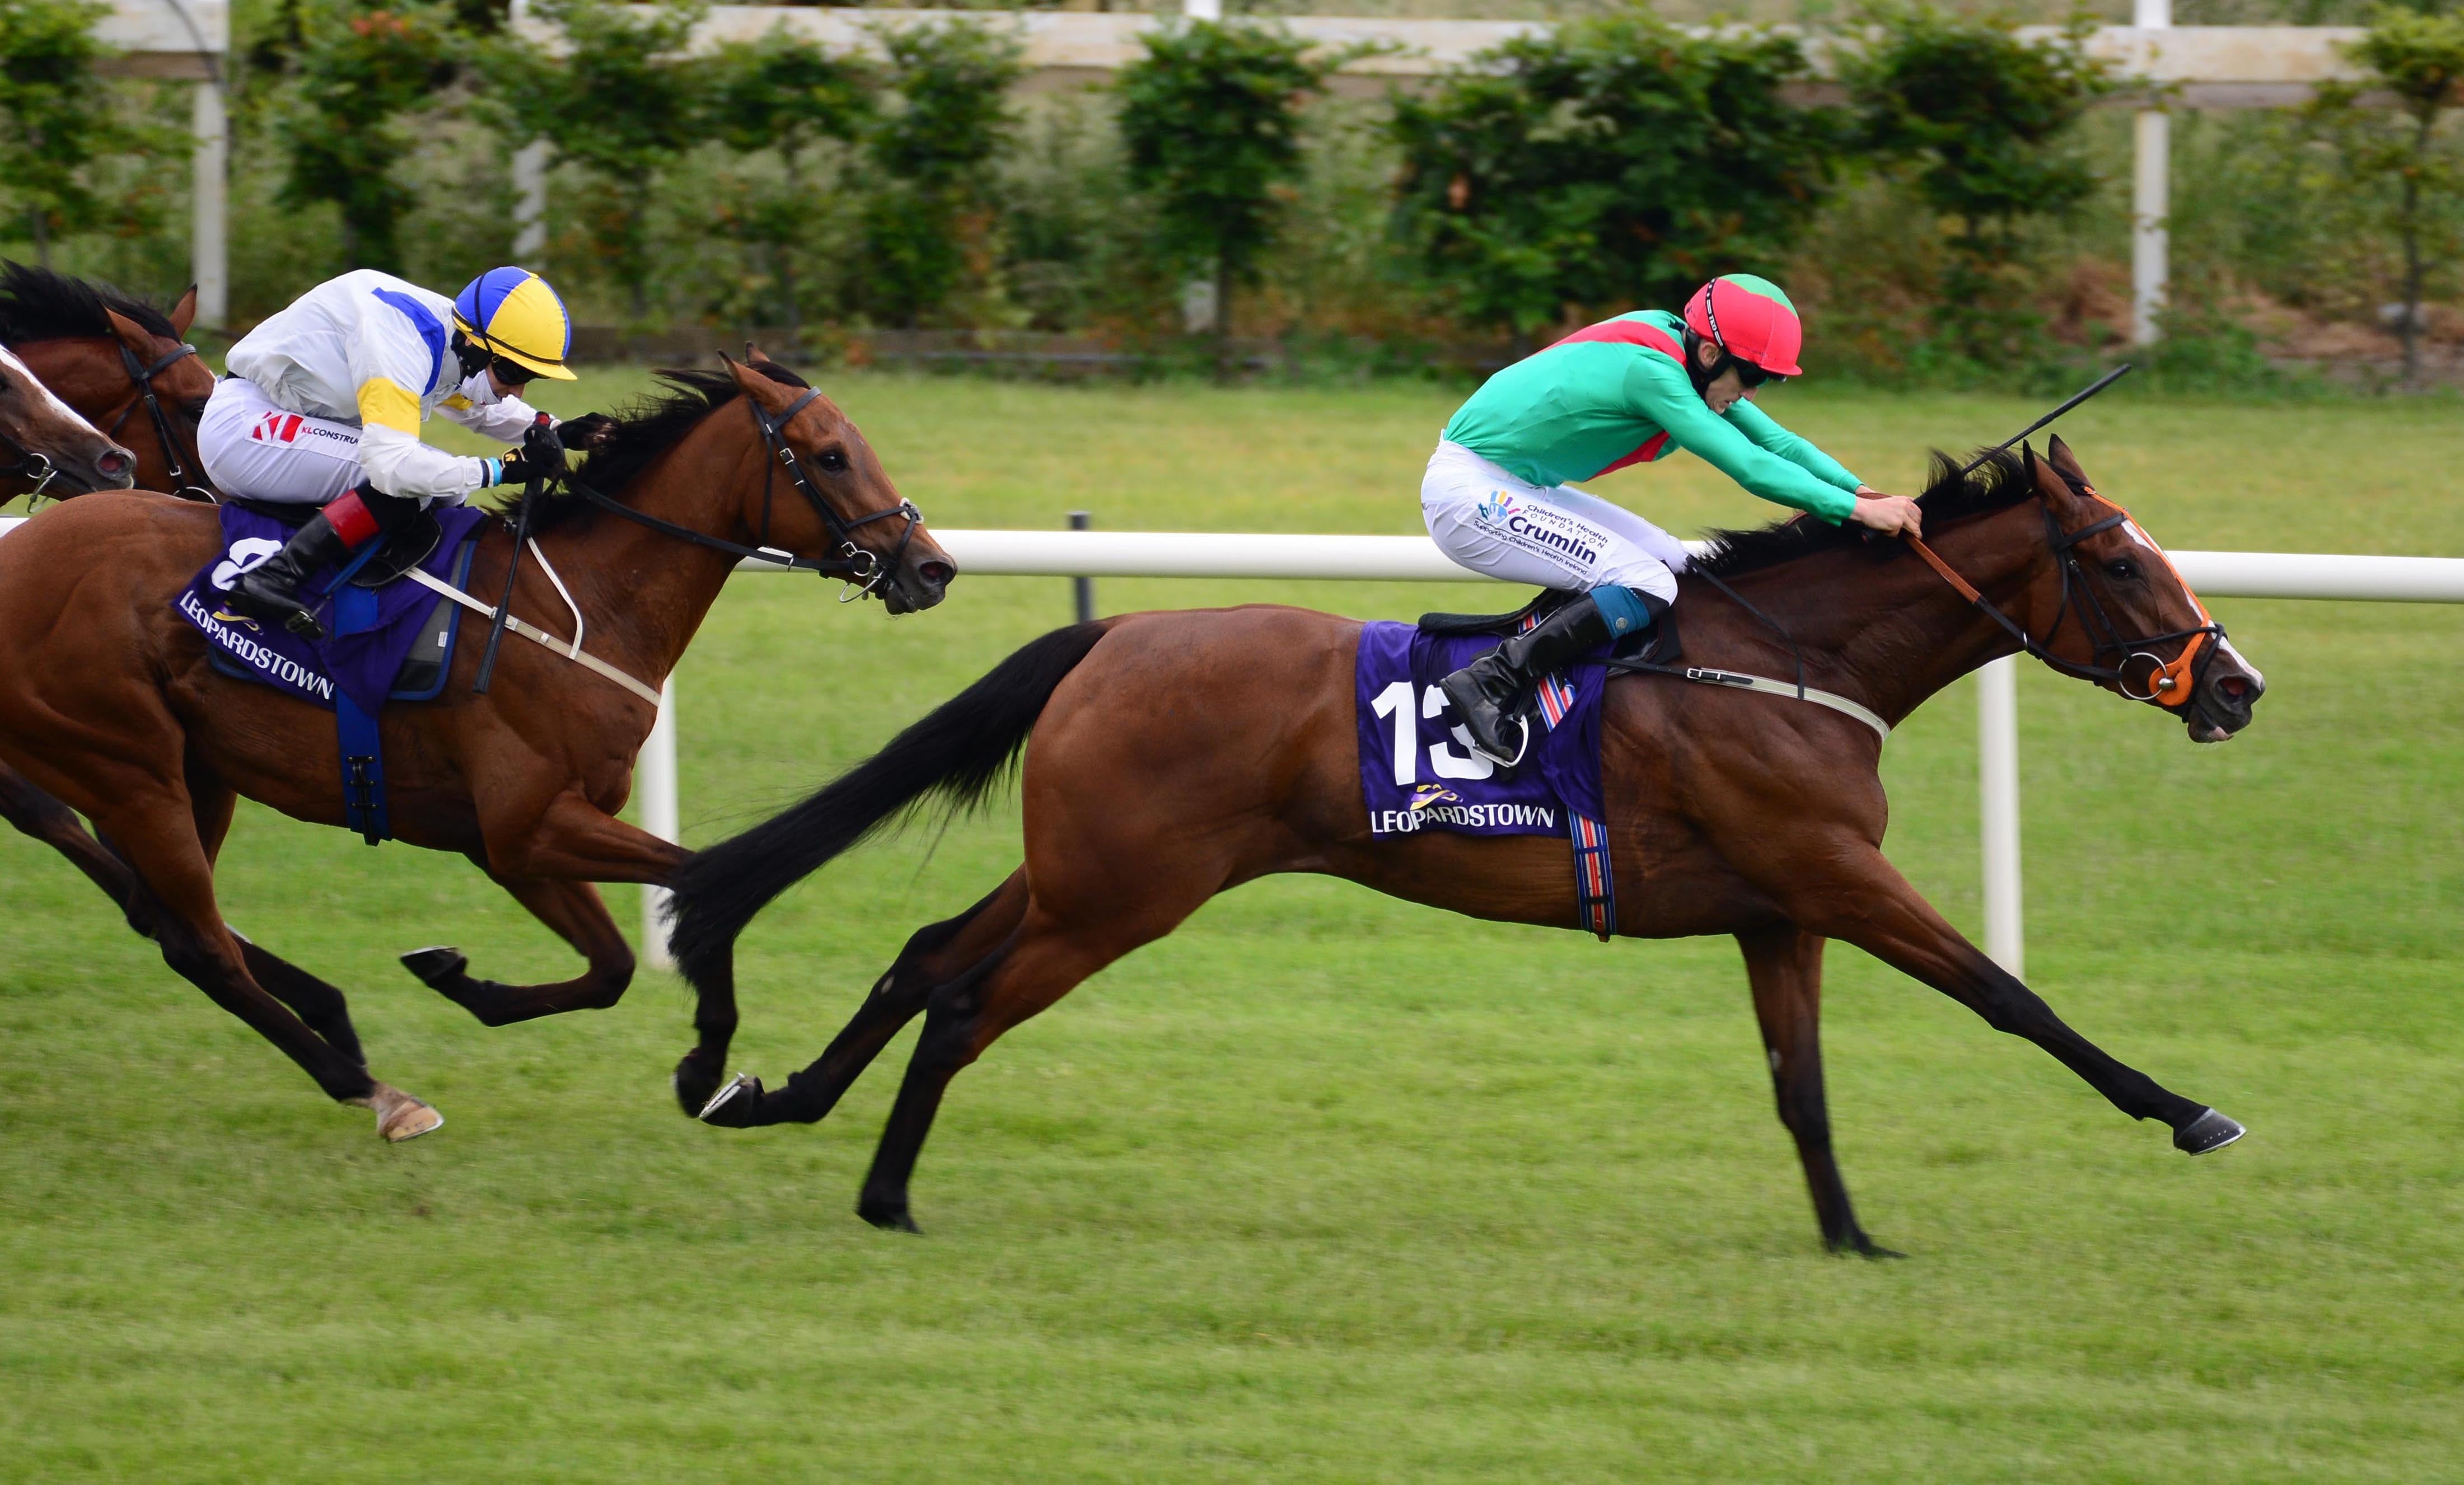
(1749, 318)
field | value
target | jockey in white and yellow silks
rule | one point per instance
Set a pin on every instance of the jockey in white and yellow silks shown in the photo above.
(1624, 391)
(323, 402)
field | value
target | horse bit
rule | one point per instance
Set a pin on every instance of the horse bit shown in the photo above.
(2169, 685)
(862, 571)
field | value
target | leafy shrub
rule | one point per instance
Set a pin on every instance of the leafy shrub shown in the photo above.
(928, 224)
(1619, 161)
(359, 70)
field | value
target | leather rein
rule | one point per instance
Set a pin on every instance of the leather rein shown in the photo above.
(2169, 684)
(862, 570)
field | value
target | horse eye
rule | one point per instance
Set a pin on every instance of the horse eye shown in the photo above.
(833, 461)
(2123, 567)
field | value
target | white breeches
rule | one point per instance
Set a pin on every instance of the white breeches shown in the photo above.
(258, 450)
(1492, 522)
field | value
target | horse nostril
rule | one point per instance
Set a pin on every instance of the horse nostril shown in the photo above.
(2234, 687)
(936, 574)
(113, 463)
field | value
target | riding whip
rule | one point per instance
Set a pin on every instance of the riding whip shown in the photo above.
(513, 566)
(2094, 387)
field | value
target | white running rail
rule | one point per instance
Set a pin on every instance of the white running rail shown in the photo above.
(1120, 554)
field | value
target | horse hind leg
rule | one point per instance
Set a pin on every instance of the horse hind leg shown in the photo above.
(46, 819)
(1785, 967)
(937, 955)
(1044, 960)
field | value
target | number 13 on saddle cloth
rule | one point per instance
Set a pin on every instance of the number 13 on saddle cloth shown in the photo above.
(1418, 770)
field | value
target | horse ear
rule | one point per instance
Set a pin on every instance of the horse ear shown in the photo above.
(185, 312)
(2066, 464)
(760, 388)
(139, 340)
(754, 353)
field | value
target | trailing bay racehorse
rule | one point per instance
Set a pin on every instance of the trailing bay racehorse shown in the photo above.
(1172, 756)
(107, 355)
(122, 363)
(118, 715)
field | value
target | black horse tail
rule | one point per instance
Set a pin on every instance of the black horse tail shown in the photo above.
(959, 751)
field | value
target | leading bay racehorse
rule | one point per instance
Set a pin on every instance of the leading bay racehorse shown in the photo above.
(1172, 756)
(119, 714)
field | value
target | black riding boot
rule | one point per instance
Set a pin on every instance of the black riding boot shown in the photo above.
(269, 591)
(1490, 692)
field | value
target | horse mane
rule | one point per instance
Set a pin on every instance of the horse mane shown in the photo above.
(644, 429)
(39, 304)
(1997, 484)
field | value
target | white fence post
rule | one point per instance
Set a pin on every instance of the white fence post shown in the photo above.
(2150, 198)
(655, 776)
(1998, 788)
(208, 195)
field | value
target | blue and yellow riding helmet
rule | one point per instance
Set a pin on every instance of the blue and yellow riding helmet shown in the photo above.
(512, 312)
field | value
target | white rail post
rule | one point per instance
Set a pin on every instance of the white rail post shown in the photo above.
(209, 239)
(656, 773)
(2150, 195)
(1998, 781)
(530, 182)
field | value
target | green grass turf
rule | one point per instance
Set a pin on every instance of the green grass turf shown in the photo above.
(1327, 1186)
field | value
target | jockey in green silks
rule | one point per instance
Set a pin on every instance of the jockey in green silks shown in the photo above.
(1624, 391)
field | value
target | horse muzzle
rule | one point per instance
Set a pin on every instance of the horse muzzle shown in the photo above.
(922, 580)
(2226, 698)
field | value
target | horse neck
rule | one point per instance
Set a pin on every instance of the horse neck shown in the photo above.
(644, 594)
(1892, 633)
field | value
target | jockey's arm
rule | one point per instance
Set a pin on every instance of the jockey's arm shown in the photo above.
(399, 346)
(396, 461)
(1660, 391)
(506, 419)
(1757, 425)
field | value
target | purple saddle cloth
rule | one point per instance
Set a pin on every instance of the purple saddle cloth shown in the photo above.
(1418, 771)
(369, 633)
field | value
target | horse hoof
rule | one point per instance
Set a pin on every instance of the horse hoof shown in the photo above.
(1864, 1247)
(2211, 1130)
(888, 1218)
(401, 1117)
(730, 1107)
(693, 1085)
(437, 966)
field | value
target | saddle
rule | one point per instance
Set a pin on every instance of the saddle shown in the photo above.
(398, 551)
(1657, 645)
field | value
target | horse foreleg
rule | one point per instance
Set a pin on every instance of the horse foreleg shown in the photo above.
(576, 912)
(547, 861)
(1868, 904)
(937, 955)
(1785, 967)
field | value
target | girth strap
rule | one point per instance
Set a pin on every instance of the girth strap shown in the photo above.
(1739, 680)
(569, 649)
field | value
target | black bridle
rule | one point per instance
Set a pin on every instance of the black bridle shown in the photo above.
(862, 571)
(144, 376)
(2170, 683)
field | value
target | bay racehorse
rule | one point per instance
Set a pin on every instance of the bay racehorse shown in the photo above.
(107, 355)
(1172, 756)
(118, 715)
(120, 362)
(46, 444)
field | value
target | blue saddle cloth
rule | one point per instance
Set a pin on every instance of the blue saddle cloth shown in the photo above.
(369, 633)
(1418, 771)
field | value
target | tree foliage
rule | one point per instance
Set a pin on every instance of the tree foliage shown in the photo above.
(360, 72)
(788, 95)
(2407, 161)
(1618, 162)
(1211, 117)
(57, 116)
(1985, 118)
(928, 222)
(620, 103)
